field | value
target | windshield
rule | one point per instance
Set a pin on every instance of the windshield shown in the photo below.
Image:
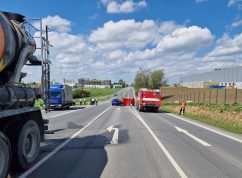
(55, 94)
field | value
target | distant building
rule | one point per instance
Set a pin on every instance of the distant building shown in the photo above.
(93, 83)
(117, 85)
(69, 82)
(227, 77)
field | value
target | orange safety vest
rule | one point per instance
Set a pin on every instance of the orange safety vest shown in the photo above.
(183, 104)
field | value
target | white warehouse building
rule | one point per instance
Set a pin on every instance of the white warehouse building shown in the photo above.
(228, 77)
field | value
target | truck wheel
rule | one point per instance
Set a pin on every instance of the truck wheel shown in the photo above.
(27, 145)
(140, 108)
(155, 109)
(5, 155)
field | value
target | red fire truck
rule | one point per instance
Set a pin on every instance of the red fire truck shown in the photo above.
(148, 99)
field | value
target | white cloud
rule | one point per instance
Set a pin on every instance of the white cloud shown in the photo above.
(231, 2)
(200, 1)
(235, 3)
(227, 46)
(117, 49)
(55, 23)
(186, 39)
(93, 17)
(236, 23)
(124, 34)
(168, 27)
(127, 6)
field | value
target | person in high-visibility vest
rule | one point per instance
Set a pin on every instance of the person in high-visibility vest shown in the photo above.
(92, 101)
(183, 106)
(39, 103)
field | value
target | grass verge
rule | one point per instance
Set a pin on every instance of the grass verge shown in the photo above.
(228, 125)
(98, 93)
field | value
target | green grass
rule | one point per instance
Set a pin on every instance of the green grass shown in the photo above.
(95, 92)
(229, 126)
(235, 107)
(99, 93)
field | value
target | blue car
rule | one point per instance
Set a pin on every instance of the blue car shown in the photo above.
(116, 102)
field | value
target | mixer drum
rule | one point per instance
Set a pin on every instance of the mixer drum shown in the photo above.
(16, 97)
(10, 44)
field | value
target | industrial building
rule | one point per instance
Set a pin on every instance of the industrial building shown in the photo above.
(117, 85)
(227, 77)
(94, 83)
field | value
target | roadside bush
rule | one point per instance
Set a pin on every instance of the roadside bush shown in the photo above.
(79, 93)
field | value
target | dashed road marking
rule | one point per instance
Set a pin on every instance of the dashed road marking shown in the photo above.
(165, 151)
(47, 157)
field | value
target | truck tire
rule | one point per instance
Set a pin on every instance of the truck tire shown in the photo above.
(5, 155)
(140, 109)
(27, 145)
(155, 109)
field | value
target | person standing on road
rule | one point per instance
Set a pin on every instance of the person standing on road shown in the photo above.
(92, 101)
(39, 103)
(183, 106)
(96, 101)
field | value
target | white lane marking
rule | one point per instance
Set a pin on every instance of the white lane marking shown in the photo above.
(128, 92)
(207, 128)
(115, 135)
(118, 108)
(192, 136)
(65, 113)
(47, 157)
(78, 110)
(168, 155)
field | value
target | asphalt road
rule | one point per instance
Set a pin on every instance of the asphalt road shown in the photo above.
(138, 144)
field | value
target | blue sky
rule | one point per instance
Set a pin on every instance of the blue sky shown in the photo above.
(115, 37)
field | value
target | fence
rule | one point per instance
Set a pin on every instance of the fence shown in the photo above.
(203, 95)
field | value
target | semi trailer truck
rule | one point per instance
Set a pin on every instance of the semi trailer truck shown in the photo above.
(61, 96)
(22, 127)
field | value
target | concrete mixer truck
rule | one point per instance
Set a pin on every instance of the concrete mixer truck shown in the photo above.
(21, 125)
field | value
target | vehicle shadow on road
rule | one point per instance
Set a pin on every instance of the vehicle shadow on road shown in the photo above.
(76, 108)
(72, 125)
(162, 111)
(81, 157)
(150, 111)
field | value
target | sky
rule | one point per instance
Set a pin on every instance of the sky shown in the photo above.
(112, 39)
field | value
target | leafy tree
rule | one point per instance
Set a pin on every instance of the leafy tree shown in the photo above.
(157, 79)
(145, 73)
(139, 81)
(122, 82)
(79, 93)
(145, 78)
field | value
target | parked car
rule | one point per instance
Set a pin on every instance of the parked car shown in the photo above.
(116, 102)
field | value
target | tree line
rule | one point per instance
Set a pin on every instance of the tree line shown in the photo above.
(145, 78)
